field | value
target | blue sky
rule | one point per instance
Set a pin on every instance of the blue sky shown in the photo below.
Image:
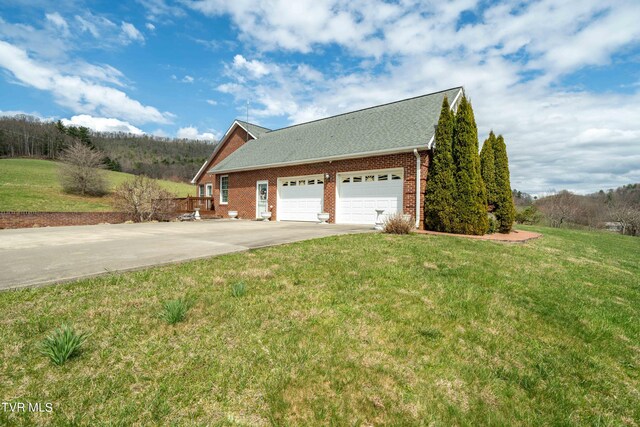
(560, 80)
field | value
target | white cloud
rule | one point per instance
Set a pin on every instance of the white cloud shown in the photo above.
(57, 20)
(256, 68)
(76, 91)
(102, 124)
(187, 79)
(212, 102)
(557, 138)
(130, 32)
(150, 26)
(191, 132)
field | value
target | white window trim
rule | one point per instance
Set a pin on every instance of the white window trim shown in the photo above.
(227, 202)
(201, 190)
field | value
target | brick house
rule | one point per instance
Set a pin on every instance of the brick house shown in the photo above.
(348, 165)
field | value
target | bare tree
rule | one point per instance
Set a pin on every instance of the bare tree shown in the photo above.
(80, 172)
(626, 213)
(560, 208)
(144, 200)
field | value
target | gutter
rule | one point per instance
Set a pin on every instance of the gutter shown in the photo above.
(415, 153)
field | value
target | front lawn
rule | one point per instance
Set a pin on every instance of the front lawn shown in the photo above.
(364, 329)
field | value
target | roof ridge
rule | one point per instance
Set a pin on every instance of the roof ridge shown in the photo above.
(253, 124)
(366, 108)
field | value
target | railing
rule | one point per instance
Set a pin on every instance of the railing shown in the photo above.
(189, 203)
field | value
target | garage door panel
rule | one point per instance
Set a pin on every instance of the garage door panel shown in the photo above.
(359, 197)
(300, 202)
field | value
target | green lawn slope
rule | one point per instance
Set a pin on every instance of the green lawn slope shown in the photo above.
(369, 329)
(32, 185)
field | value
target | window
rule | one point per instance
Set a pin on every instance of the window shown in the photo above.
(201, 190)
(312, 182)
(319, 181)
(224, 189)
(346, 179)
(285, 184)
(382, 177)
(394, 176)
(357, 179)
(369, 178)
(292, 183)
(302, 182)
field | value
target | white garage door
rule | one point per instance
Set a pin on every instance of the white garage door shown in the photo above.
(361, 193)
(300, 198)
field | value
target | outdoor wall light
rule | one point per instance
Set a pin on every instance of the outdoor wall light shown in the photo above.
(327, 177)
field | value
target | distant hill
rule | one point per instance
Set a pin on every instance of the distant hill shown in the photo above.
(32, 185)
(166, 158)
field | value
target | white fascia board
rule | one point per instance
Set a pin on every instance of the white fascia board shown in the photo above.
(222, 141)
(455, 100)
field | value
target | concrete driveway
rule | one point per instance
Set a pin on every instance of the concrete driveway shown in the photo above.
(38, 256)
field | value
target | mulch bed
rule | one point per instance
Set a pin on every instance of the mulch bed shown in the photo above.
(516, 236)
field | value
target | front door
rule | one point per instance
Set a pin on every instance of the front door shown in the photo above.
(262, 198)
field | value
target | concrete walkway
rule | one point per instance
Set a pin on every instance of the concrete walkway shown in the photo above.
(37, 256)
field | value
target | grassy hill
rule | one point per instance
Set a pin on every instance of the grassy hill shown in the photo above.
(32, 185)
(366, 329)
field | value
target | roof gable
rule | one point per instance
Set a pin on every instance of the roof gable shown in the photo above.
(253, 130)
(393, 127)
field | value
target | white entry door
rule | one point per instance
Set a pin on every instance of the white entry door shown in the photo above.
(262, 197)
(300, 198)
(361, 193)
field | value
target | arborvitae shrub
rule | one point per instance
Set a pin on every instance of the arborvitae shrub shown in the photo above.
(441, 185)
(487, 168)
(470, 197)
(504, 211)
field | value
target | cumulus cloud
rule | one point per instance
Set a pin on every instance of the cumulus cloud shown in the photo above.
(102, 124)
(150, 26)
(254, 67)
(510, 56)
(191, 132)
(76, 91)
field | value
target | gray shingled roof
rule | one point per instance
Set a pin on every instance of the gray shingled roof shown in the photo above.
(397, 126)
(255, 130)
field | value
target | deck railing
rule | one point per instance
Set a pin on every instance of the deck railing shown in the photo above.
(189, 203)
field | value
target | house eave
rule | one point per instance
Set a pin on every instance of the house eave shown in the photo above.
(327, 159)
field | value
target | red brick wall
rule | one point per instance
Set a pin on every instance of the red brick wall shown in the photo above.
(242, 185)
(51, 219)
(237, 138)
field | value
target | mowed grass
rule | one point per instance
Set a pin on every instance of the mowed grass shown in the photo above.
(33, 185)
(353, 330)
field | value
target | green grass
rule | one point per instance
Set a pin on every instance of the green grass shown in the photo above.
(32, 185)
(353, 330)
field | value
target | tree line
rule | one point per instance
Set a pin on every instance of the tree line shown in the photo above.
(156, 157)
(467, 192)
(615, 209)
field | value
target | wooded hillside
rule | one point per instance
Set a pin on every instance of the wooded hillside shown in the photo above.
(156, 157)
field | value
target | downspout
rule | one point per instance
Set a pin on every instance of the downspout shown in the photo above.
(415, 153)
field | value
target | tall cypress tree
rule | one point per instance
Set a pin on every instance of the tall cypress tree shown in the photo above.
(471, 198)
(441, 185)
(487, 168)
(505, 211)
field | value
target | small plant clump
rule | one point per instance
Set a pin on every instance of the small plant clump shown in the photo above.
(398, 224)
(174, 311)
(62, 344)
(238, 289)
